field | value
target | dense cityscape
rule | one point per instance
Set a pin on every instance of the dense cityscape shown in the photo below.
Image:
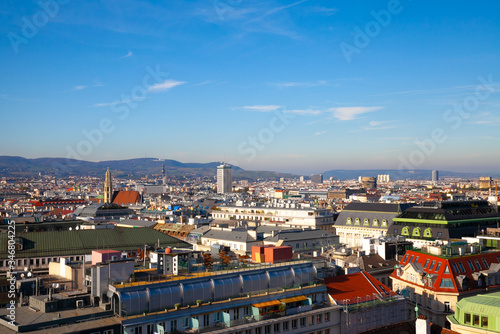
(249, 167)
(226, 255)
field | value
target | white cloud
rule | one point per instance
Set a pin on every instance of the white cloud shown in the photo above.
(165, 85)
(350, 113)
(129, 54)
(299, 84)
(110, 104)
(303, 111)
(320, 133)
(263, 108)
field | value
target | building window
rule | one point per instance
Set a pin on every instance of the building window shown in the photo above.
(318, 318)
(406, 257)
(470, 265)
(294, 324)
(447, 306)
(485, 263)
(484, 321)
(327, 331)
(173, 325)
(476, 261)
(428, 233)
(467, 318)
(356, 221)
(327, 317)
(267, 329)
(366, 222)
(461, 267)
(446, 270)
(302, 322)
(375, 222)
(416, 260)
(416, 232)
(476, 320)
(349, 221)
(285, 326)
(277, 327)
(426, 263)
(310, 320)
(185, 322)
(405, 231)
(432, 265)
(446, 283)
(438, 266)
(384, 223)
(455, 267)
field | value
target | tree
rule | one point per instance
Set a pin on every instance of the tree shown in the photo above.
(224, 258)
(207, 260)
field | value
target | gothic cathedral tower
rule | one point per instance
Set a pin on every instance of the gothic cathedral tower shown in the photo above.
(108, 187)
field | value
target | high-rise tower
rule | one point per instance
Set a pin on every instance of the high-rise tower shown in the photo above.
(108, 187)
(224, 179)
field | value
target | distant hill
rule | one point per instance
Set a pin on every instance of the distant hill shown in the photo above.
(396, 174)
(131, 168)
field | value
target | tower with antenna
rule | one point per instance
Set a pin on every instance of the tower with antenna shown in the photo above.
(164, 177)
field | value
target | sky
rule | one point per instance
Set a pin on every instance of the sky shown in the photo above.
(300, 87)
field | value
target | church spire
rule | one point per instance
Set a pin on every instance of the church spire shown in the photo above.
(108, 187)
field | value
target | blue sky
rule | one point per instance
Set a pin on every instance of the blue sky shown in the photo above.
(299, 87)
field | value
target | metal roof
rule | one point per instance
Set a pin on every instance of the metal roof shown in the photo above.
(62, 243)
(488, 304)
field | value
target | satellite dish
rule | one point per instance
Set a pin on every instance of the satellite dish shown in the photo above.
(55, 285)
(70, 228)
(77, 228)
(29, 274)
(22, 275)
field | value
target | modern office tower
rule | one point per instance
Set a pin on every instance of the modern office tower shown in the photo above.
(317, 178)
(224, 179)
(369, 182)
(108, 187)
(435, 175)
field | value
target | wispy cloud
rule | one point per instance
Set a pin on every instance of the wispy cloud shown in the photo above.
(262, 108)
(304, 111)
(320, 133)
(165, 85)
(350, 113)
(202, 83)
(82, 87)
(110, 104)
(298, 84)
(129, 54)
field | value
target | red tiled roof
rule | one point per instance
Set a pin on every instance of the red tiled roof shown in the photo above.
(127, 197)
(353, 286)
(453, 264)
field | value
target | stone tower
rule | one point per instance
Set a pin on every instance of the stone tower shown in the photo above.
(108, 187)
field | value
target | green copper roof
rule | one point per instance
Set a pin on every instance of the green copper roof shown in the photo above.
(488, 304)
(62, 243)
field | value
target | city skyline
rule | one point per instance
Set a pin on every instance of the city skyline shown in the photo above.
(300, 87)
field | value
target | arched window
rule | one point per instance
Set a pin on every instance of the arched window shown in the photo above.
(405, 231)
(356, 221)
(428, 233)
(349, 221)
(375, 222)
(416, 232)
(384, 223)
(366, 222)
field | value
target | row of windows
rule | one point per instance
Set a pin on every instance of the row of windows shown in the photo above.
(268, 329)
(38, 262)
(476, 320)
(366, 222)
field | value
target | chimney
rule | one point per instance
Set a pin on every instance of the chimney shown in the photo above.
(422, 326)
